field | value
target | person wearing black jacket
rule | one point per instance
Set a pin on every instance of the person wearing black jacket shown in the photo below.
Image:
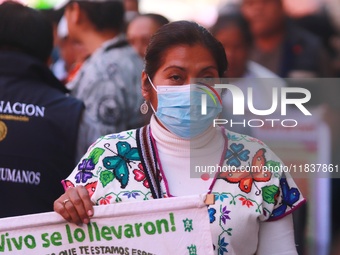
(39, 121)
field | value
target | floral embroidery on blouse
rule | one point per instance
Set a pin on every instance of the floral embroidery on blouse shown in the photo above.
(112, 172)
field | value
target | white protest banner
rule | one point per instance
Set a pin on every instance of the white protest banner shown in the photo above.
(153, 227)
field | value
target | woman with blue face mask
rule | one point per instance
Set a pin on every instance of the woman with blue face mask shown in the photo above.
(168, 157)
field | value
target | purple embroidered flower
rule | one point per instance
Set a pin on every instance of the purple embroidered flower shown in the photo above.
(225, 214)
(131, 194)
(222, 247)
(85, 168)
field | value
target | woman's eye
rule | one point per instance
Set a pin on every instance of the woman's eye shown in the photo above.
(175, 77)
(206, 80)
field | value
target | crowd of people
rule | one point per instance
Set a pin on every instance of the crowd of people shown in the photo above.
(93, 79)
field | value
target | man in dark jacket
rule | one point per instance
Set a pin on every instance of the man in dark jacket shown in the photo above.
(39, 122)
(282, 46)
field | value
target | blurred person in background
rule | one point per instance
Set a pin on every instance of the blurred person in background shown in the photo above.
(282, 46)
(323, 22)
(232, 30)
(108, 81)
(131, 8)
(290, 51)
(141, 28)
(54, 17)
(72, 54)
(319, 24)
(333, 8)
(39, 122)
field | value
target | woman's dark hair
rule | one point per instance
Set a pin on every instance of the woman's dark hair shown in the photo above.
(25, 29)
(104, 15)
(230, 20)
(182, 33)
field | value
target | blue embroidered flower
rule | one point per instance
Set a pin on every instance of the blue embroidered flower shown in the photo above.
(221, 196)
(131, 194)
(236, 154)
(85, 168)
(290, 195)
(222, 247)
(225, 214)
(212, 212)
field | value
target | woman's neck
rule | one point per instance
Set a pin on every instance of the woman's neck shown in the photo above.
(173, 145)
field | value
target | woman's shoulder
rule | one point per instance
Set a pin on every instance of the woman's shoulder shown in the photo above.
(246, 140)
(127, 136)
(255, 173)
(109, 161)
(245, 151)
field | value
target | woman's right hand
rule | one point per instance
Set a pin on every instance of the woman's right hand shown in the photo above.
(75, 205)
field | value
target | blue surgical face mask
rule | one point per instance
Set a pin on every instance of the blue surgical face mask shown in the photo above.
(180, 108)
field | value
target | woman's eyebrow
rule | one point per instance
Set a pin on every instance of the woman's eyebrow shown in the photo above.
(174, 66)
(209, 67)
(183, 69)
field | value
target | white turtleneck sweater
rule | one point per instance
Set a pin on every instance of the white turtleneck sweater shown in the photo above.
(178, 158)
